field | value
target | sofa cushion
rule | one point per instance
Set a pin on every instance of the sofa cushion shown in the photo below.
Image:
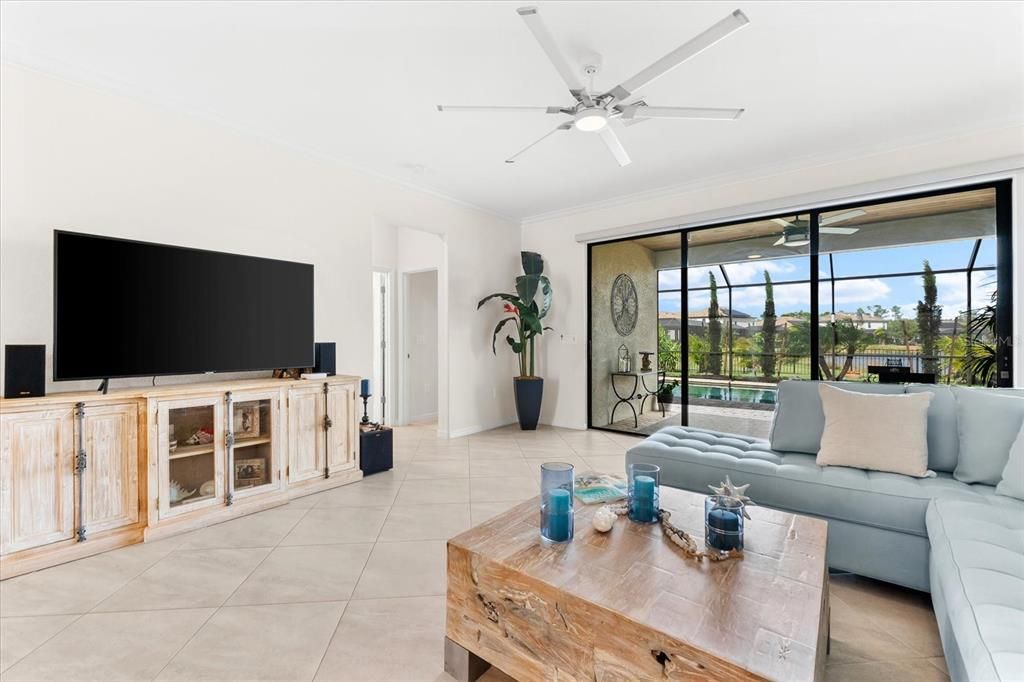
(1012, 483)
(875, 432)
(943, 438)
(988, 424)
(799, 419)
(695, 458)
(978, 568)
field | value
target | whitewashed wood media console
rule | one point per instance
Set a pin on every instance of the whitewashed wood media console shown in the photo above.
(82, 473)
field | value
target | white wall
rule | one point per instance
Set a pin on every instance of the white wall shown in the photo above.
(558, 237)
(76, 158)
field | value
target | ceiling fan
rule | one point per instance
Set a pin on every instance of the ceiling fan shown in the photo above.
(797, 232)
(592, 112)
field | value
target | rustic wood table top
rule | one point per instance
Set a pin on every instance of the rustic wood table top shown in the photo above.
(629, 605)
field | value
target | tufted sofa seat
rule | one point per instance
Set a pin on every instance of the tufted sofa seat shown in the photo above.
(883, 511)
(794, 482)
(977, 580)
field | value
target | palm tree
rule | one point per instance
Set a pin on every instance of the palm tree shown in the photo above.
(980, 361)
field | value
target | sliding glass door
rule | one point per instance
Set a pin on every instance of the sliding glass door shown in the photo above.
(697, 326)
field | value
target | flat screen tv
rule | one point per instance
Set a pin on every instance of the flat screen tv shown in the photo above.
(124, 308)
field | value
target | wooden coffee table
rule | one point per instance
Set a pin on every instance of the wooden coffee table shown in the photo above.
(628, 605)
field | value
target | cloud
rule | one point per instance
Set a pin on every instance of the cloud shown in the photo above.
(862, 292)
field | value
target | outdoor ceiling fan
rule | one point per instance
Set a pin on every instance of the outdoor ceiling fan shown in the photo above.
(591, 112)
(797, 232)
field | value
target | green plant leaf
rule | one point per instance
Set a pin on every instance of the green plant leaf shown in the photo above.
(497, 329)
(533, 264)
(517, 347)
(526, 287)
(511, 298)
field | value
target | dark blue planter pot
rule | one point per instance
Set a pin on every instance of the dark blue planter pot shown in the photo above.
(529, 393)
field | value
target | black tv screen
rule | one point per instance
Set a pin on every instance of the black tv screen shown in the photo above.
(124, 308)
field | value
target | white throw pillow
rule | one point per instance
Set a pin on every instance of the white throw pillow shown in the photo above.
(876, 432)
(1012, 484)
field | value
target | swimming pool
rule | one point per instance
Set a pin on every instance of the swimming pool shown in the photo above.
(765, 396)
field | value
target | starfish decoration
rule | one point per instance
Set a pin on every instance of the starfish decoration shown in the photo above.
(728, 489)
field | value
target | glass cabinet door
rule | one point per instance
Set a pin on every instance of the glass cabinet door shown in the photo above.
(253, 423)
(191, 448)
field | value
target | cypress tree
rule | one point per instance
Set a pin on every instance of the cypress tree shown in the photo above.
(714, 330)
(768, 329)
(929, 321)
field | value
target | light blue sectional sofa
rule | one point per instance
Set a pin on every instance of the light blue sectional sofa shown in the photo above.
(959, 540)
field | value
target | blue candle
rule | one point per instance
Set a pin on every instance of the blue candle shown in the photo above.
(723, 529)
(643, 499)
(559, 515)
(364, 388)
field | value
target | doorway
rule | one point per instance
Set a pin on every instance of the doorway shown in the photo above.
(420, 375)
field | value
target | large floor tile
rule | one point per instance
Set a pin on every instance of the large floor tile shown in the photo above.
(425, 522)
(484, 468)
(263, 529)
(75, 587)
(187, 579)
(399, 640)
(503, 489)
(436, 491)
(482, 511)
(438, 468)
(278, 642)
(308, 573)
(371, 492)
(607, 464)
(111, 646)
(404, 569)
(19, 636)
(916, 670)
(333, 525)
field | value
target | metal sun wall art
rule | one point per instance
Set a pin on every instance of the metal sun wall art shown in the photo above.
(625, 305)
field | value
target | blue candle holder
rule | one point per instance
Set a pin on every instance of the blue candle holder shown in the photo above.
(644, 492)
(556, 500)
(723, 523)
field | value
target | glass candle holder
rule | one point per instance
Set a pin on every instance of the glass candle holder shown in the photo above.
(723, 523)
(556, 498)
(644, 493)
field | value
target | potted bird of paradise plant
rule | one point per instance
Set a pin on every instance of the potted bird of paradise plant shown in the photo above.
(526, 308)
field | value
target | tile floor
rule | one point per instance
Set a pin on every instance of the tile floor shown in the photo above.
(349, 584)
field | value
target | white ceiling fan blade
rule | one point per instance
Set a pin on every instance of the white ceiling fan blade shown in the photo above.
(723, 28)
(547, 43)
(500, 109)
(611, 140)
(780, 242)
(838, 230)
(839, 217)
(782, 223)
(707, 113)
(512, 159)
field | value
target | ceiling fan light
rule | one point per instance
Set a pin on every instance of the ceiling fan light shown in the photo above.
(591, 120)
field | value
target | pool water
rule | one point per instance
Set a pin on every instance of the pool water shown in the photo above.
(765, 396)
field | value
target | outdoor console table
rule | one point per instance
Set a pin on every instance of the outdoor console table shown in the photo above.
(639, 383)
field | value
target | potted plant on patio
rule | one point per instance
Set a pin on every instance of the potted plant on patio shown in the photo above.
(527, 307)
(665, 396)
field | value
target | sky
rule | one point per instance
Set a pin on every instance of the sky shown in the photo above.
(876, 289)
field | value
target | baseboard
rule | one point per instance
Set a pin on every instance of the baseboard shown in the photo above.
(478, 428)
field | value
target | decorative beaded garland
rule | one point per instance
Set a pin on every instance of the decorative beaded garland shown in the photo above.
(680, 537)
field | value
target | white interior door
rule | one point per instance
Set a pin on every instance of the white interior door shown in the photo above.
(421, 347)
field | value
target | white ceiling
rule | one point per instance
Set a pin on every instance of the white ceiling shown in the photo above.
(358, 82)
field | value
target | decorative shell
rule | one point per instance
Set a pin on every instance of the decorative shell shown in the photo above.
(604, 519)
(208, 489)
(178, 493)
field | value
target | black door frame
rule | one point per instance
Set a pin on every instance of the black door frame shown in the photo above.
(1004, 278)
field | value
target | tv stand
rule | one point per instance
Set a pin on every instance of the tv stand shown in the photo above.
(103, 386)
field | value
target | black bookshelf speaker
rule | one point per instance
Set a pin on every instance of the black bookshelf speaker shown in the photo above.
(24, 371)
(324, 358)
